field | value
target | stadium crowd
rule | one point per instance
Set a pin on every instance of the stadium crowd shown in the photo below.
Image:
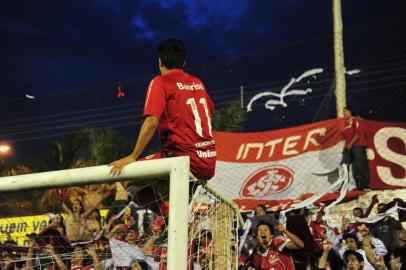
(76, 240)
(304, 243)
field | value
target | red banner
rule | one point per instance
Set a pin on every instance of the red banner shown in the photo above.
(285, 165)
(386, 144)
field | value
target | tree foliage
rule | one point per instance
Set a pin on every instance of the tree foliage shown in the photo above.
(230, 118)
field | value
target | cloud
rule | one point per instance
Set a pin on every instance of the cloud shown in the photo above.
(209, 13)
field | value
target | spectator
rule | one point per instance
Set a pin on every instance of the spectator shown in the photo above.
(400, 239)
(204, 250)
(329, 258)
(54, 234)
(156, 241)
(318, 228)
(372, 255)
(120, 200)
(75, 219)
(269, 253)
(353, 244)
(132, 237)
(78, 259)
(93, 195)
(398, 259)
(353, 260)
(385, 229)
(91, 225)
(357, 212)
(296, 223)
(355, 148)
(139, 265)
(115, 229)
(261, 215)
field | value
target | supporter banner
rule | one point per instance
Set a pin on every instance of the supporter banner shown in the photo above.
(284, 165)
(279, 165)
(17, 228)
(386, 154)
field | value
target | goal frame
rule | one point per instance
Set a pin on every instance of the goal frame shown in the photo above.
(176, 167)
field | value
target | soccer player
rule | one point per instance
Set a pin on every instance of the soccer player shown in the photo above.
(178, 104)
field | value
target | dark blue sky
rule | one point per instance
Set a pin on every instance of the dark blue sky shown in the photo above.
(49, 46)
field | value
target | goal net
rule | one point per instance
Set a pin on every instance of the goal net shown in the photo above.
(86, 217)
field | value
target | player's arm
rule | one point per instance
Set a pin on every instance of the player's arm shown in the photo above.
(148, 129)
(356, 134)
(295, 243)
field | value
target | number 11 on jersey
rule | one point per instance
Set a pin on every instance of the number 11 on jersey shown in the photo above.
(198, 120)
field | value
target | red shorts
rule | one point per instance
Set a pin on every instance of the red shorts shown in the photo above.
(198, 171)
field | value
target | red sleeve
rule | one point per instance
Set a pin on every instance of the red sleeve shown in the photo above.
(279, 242)
(155, 100)
(357, 125)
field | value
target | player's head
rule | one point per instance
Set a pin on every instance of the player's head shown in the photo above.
(353, 260)
(349, 111)
(381, 207)
(138, 265)
(351, 241)
(357, 212)
(265, 231)
(260, 210)
(171, 54)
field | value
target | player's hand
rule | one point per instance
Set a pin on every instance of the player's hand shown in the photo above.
(395, 263)
(91, 250)
(118, 165)
(378, 262)
(364, 231)
(281, 228)
(327, 244)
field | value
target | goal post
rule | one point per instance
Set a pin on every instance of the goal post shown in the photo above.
(177, 168)
(211, 211)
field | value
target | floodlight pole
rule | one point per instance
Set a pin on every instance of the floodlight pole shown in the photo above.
(340, 84)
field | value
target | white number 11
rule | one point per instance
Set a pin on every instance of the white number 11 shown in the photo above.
(198, 120)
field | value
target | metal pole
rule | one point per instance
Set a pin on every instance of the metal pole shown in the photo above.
(178, 213)
(242, 96)
(339, 58)
(91, 175)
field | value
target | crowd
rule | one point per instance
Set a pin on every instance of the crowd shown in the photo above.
(362, 243)
(77, 240)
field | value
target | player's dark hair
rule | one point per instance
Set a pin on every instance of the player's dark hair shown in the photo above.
(271, 228)
(352, 110)
(262, 206)
(358, 208)
(353, 236)
(349, 252)
(172, 53)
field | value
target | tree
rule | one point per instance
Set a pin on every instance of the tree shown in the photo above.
(84, 148)
(230, 118)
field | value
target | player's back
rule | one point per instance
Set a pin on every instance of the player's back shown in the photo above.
(185, 123)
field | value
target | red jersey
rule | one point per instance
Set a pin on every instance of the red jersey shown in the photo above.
(88, 267)
(273, 258)
(318, 231)
(185, 111)
(354, 126)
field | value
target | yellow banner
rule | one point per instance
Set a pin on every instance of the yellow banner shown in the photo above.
(16, 228)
